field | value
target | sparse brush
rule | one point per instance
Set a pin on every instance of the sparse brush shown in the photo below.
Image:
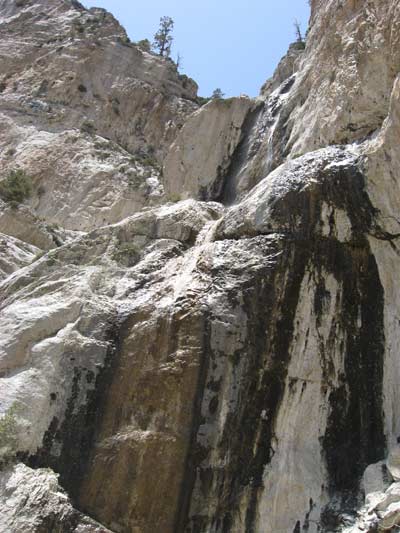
(8, 433)
(127, 253)
(16, 187)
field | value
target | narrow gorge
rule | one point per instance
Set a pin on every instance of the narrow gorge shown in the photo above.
(199, 302)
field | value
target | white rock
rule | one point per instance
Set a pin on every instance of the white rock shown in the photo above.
(32, 500)
(199, 159)
(393, 462)
(375, 478)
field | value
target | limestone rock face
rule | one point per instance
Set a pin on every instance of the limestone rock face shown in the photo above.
(14, 254)
(33, 501)
(197, 169)
(83, 112)
(227, 363)
(285, 69)
(228, 146)
(78, 69)
(350, 63)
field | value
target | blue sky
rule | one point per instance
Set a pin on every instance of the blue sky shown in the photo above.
(231, 44)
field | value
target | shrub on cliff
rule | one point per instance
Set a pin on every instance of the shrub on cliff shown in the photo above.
(16, 187)
(300, 40)
(8, 434)
(201, 100)
(145, 45)
(126, 253)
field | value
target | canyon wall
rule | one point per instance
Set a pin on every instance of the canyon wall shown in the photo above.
(199, 305)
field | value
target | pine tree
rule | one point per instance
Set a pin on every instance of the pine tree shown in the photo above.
(299, 35)
(163, 38)
(217, 94)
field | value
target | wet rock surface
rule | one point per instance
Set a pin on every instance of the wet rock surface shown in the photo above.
(223, 364)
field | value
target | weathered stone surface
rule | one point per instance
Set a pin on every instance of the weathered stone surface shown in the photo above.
(351, 60)
(81, 181)
(20, 222)
(375, 478)
(85, 113)
(287, 434)
(228, 146)
(200, 157)
(188, 366)
(79, 316)
(32, 501)
(77, 67)
(15, 254)
(286, 68)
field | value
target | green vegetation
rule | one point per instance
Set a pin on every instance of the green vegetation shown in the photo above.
(124, 40)
(16, 187)
(78, 26)
(127, 253)
(201, 100)
(88, 127)
(174, 197)
(185, 80)
(146, 159)
(300, 40)
(8, 433)
(103, 156)
(144, 44)
(217, 94)
(52, 226)
(229, 101)
(51, 260)
(163, 38)
(299, 45)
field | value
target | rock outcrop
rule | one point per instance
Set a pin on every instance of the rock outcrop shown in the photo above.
(227, 363)
(198, 169)
(44, 502)
(86, 113)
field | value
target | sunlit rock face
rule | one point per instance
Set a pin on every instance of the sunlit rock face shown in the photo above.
(199, 307)
(86, 113)
(196, 168)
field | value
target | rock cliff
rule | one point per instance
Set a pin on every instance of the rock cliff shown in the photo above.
(199, 306)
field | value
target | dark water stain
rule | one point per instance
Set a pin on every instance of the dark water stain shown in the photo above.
(75, 435)
(354, 437)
